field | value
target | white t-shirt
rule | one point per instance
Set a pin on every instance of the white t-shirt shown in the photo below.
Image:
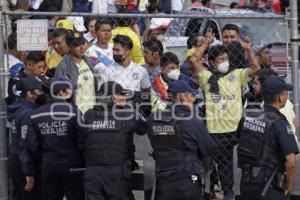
(96, 58)
(134, 77)
(177, 5)
(104, 6)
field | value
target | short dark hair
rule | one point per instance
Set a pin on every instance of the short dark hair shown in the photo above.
(264, 74)
(231, 27)
(101, 22)
(35, 56)
(168, 58)
(154, 45)
(215, 51)
(58, 32)
(124, 40)
(192, 40)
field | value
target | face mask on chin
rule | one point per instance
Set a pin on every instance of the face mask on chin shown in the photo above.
(223, 67)
(174, 74)
(118, 59)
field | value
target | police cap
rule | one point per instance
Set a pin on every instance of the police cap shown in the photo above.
(75, 39)
(276, 85)
(30, 83)
(180, 86)
(60, 83)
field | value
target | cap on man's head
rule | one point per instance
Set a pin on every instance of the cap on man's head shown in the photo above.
(30, 83)
(60, 83)
(275, 85)
(258, 48)
(179, 87)
(110, 88)
(75, 39)
(65, 24)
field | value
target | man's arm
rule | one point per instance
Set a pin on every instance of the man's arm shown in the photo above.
(290, 171)
(196, 59)
(255, 66)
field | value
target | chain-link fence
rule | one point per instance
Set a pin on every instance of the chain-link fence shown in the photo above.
(217, 53)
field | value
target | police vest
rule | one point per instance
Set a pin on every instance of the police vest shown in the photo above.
(255, 147)
(168, 147)
(108, 139)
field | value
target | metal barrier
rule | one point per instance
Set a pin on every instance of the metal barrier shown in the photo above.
(261, 28)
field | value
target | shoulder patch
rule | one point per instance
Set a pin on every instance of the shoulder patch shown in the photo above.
(24, 131)
(289, 130)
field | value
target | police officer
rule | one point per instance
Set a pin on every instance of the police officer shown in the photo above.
(267, 148)
(181, 145)
(18, 113)
(110, 127)
(54, 134)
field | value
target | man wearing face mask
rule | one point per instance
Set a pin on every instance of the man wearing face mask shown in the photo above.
(223, 96)
(54, 135)
(169, 64)
(124, 71)
(182, 146)
(18, 114)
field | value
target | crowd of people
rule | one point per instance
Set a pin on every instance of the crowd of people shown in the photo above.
(74, 108)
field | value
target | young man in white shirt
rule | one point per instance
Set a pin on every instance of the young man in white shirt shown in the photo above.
(101, 52)
(129, 75)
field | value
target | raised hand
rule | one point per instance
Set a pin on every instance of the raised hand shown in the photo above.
(246, 43)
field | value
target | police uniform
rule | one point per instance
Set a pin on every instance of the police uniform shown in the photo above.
(55, 136)
(181, 144)
(266, 138)
(18, 114)
(108, 148)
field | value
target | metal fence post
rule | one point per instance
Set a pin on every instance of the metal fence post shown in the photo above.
(294, 59)
(3, 135)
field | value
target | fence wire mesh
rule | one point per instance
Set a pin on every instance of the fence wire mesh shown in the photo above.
(145, 54)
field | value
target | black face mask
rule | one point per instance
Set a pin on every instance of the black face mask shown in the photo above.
(118, 59)
(42, 99)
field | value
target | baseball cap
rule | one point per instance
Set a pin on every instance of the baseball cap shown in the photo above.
(110, 88)
(180, 86)
(60, 83)
(259, 47)
(65, 24)
(75, 39)
(30, 83)
(275, 85)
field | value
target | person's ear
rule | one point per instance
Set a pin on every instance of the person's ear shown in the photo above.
(127, 53)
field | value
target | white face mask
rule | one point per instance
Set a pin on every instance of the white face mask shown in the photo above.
(223, 67)
(174, 74)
